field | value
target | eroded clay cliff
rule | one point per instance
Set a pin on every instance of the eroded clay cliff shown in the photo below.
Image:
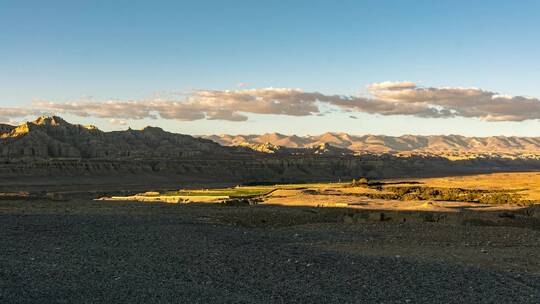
(50, 149)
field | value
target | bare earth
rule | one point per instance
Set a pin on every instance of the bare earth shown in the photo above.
(129, 252)
(311, 243)
(527, 183)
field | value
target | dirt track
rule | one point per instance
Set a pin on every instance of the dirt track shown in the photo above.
(87, 251)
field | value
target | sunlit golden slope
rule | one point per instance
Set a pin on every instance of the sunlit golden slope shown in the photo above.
(381, 143)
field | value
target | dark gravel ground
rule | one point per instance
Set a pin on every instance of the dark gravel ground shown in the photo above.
(97, 252)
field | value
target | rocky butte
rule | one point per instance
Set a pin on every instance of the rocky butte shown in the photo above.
(52, 151)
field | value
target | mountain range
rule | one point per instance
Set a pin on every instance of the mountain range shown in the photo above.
(50, 151)
(435, 144)
(53, 137)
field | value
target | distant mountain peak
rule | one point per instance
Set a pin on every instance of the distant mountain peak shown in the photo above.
(152, 129)
(90, 127)
(6, 128)
(435, 144)
(52, 136)
(50, 121)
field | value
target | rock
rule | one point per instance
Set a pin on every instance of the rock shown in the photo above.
(48, 137)
(532, 211)
(55, 196)
(338, 143)
(237, 202)
(348, 219)
(53, 147)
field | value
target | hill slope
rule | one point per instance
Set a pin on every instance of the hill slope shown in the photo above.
(48, 137)
(51, 152)
(435, 144)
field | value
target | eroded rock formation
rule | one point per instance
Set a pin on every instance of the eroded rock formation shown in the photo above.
(50, 149)
(53, 137)
(435, 144)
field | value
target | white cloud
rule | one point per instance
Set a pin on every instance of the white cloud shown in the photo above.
(9, 114)
(118, 122)
(465, 102)
(391, 85)
(387, 98)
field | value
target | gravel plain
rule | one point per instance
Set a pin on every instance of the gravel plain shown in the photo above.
(84, 251)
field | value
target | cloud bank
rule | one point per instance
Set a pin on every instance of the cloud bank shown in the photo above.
(386, 98)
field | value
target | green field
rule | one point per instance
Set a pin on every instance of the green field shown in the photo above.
(231, 192)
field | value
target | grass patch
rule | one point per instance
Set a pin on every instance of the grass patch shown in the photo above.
(231, 192)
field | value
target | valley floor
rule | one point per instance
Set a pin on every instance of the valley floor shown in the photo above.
(84, 251)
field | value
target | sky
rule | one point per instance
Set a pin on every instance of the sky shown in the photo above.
(293, 67)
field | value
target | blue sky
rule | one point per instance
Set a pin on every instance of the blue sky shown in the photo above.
(61, 51)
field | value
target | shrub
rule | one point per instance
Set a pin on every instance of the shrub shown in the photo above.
(362, 181)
